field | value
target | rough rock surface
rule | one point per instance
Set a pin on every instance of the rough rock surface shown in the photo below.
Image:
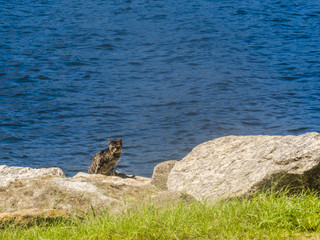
(82, 192)
(31, 216)
(9, 174)
(242, 165)
(160, 174)
(169, 198)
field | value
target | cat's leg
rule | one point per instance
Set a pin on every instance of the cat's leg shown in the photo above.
(112, 172)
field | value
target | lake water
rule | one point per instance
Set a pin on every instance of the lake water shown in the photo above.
(164, 76)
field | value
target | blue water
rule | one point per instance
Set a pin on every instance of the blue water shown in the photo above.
(163, 75)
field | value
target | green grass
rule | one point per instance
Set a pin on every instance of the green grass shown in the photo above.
(263, 216)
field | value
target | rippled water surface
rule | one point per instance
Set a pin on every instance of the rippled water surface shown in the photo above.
(163, 75)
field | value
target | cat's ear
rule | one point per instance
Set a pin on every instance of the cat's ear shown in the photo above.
(109, 140)
(120, 140)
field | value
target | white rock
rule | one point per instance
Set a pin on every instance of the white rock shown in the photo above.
(9, 174)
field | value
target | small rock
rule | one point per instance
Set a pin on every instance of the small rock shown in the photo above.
(160, 174)
(168, 198)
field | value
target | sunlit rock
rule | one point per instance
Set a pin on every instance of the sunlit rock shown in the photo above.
(9, 174)
(242, 165)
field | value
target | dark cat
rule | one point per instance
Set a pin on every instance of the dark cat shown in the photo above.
(104, 161)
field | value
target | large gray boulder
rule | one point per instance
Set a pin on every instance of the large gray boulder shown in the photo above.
(242, 165)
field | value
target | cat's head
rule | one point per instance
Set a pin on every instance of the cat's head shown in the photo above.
(115, 147)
